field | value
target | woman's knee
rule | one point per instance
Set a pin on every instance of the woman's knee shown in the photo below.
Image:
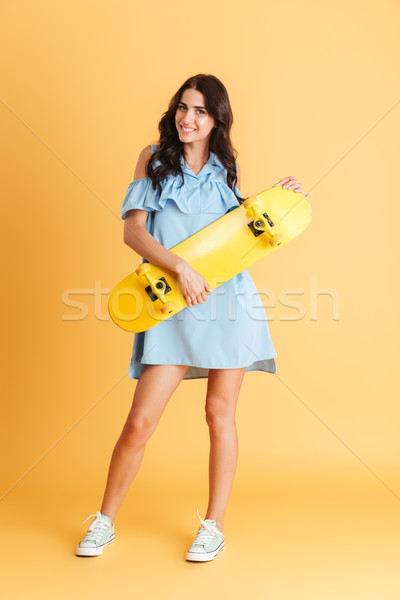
(219, 416)
(138, 428)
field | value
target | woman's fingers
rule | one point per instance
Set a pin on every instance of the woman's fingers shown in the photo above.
(191, 299)
(297, 187)
(292, 183)
(281, 182)
(194, 287)
(199, 299)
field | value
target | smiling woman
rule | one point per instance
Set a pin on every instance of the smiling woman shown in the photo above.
(184, 183)
(198, 121)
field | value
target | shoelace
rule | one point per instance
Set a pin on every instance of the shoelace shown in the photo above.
(97, 527)
(206, 531)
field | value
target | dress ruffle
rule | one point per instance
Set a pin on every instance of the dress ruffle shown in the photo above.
(196, 196)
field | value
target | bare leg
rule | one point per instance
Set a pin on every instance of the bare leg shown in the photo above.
(153, 390)
(222, 395)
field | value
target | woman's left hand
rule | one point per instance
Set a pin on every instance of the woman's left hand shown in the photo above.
(291, 183)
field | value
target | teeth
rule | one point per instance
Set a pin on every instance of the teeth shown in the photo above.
(184, 128)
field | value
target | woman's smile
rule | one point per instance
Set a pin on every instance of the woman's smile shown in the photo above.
(187, 129)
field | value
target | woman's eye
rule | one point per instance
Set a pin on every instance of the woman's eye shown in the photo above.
(199, 110)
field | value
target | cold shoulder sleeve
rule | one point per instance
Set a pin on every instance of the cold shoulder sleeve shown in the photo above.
(141, 195)
(206, 192)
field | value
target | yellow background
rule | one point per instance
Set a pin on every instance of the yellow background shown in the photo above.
(314, 511)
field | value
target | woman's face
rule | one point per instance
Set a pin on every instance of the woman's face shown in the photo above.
(192, 120)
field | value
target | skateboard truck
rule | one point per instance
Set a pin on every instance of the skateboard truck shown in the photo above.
(157, 288)
(261, 222)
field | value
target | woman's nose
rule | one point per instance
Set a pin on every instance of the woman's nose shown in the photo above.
(189, 117)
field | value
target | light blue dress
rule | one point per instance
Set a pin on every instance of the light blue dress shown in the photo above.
(230, 329)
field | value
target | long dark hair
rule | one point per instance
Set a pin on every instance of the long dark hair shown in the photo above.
(170, 148)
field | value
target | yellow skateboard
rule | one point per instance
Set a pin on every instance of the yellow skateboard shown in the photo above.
(219, 251)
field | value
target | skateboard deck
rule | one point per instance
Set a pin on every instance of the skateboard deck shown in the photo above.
(220, 251)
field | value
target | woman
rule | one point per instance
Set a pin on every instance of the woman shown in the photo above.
(183, 184)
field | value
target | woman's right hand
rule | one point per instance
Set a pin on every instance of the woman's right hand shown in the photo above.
(193, 285)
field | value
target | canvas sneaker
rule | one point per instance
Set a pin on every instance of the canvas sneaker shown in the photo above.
(100, 534)
(208, 543)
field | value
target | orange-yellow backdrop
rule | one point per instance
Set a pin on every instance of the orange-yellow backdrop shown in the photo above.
(315, 91)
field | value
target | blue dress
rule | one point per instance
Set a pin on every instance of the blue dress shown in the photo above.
(230, 329)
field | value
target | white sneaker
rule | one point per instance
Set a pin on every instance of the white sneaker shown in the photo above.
(208, 543)
(100, 534)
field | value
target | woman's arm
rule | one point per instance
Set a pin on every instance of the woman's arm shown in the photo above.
(141, 166)
(136, 236)
(143, 243)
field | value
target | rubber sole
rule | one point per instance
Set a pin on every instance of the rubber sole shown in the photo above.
(85, 551)
(204, 556)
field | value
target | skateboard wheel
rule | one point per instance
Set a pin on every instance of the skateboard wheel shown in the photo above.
(276, 239)
(143, 269)
(168, 307)
(249, 202)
